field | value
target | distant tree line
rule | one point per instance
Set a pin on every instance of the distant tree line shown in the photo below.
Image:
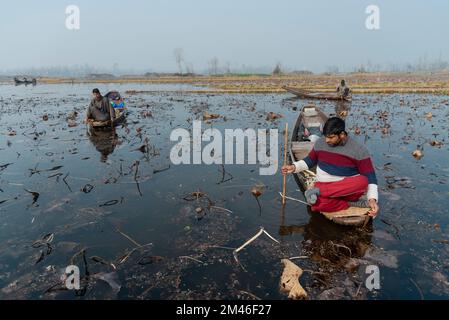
(216, 67)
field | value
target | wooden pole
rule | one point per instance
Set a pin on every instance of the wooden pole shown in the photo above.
(284, 185)
(111, 110)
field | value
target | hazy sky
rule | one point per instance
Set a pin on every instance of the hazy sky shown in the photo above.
(142, 35)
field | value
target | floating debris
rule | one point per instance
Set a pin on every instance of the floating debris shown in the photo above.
(128, 237)
(193, 259)
(207, 116)
(221, 209)
(155, 171)
(289, 283)
(399, 182)
(261, 231)
(273, 116)
(45, 241)
(87, 188)
(442, 241)
(199, 210)
(435, 143)
(149, 260)
(34, 194)
(35, 170)
(418, 154)
(110, 278)
(109, 203)
(257, 191)
(102, 261)
(4, 166)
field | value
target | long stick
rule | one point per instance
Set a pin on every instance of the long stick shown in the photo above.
(111, 110)
(110, 115)
(284, 185)
(129, 238)
(262, 230)
(249, 241)
(290, 198)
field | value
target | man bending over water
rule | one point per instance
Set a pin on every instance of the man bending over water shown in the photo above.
(344, 171)
(99, 108)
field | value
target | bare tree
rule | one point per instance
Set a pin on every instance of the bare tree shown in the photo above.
(189, 68)
(213, 66)
(277, 70)
(115, 68)
(227, 67)
(332, 70)
(179, 57)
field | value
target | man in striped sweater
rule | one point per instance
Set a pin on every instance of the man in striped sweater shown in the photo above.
(344, 171)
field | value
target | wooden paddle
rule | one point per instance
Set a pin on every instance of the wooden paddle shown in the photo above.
(284, 185)
(111, 110)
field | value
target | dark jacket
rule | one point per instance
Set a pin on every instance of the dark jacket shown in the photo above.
(100, 110)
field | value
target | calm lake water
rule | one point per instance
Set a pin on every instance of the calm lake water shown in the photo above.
(72, 196)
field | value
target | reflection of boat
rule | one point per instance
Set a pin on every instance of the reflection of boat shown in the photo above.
(310, 121)
(103, 140)
(304, 94)
(17, 81)
(328, 242)
(119, 106)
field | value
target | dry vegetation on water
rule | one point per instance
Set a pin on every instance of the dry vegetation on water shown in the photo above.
(360, 83)
(140, 228)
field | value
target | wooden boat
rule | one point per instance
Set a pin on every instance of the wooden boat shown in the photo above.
(119, 106)
(24, 81)
(107, 124)
(304, 94)
(311, 119)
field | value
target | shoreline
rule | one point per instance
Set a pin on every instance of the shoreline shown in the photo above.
(369, 83)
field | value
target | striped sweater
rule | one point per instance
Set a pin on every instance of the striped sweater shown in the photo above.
(335, 163)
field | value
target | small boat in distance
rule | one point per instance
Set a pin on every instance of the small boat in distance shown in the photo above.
(304, 94)
(25, 81)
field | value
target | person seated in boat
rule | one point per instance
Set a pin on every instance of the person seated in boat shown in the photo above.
(99, 108)
(312, 134)
(343, 90)
(344, 172)
(117, 103)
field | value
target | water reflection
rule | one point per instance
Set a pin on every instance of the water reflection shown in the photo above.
(402, 242)
(329, 242)
(342, 109)
(104, 140)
